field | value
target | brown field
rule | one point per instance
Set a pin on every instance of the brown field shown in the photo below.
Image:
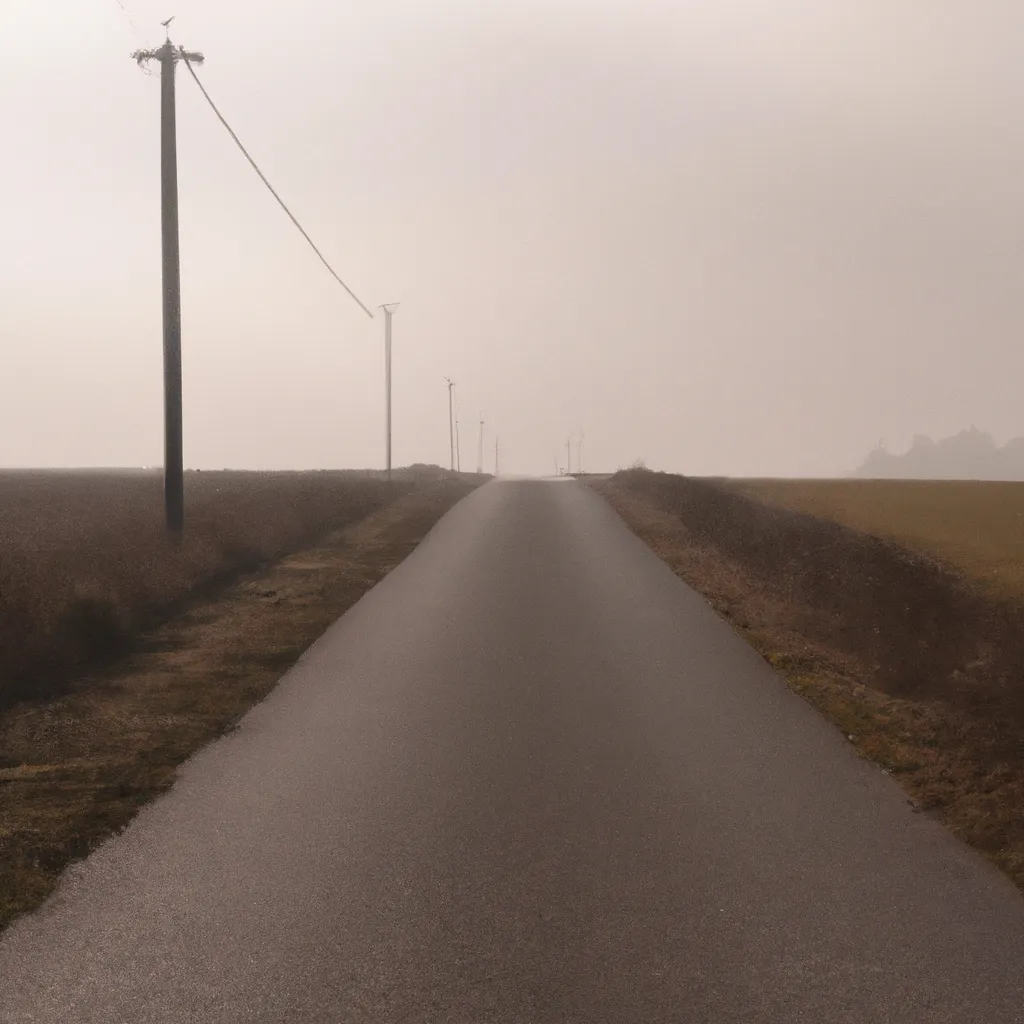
(977, 527)
(917, 662)
(85, 562)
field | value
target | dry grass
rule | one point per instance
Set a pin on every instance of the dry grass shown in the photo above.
(977, 527)
(77, 767)
(85, 562)
(923, 669)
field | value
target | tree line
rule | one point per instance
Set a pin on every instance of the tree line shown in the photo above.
(970, 455)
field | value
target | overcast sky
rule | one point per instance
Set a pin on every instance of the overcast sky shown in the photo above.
(748, 237)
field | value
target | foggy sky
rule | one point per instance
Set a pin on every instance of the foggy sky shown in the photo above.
(726, 236)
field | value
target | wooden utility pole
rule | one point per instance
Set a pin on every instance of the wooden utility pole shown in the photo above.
(451, 422)
(480, 454)
(174, 474)
(388, 308)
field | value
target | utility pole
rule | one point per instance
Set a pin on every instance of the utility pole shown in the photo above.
(451, 422)
(174, 472)
(480, 454)
(389, 308)
(579, 455)
(568, 457)
(458, 451)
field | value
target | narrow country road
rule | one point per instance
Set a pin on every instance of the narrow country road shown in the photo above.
(529, 778)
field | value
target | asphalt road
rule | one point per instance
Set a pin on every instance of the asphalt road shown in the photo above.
(529, 778)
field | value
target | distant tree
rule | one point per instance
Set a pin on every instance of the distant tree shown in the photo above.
(879, 463)
(972, 441)
(1011, 459)
(971, 454)
(923, 459)
(968, 455)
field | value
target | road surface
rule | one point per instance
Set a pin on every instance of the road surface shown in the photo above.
(530, 777)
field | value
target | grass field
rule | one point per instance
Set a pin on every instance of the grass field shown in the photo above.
(977, 527)
(85, 562)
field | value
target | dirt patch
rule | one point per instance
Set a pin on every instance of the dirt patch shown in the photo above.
(923, 671)
(75, 769)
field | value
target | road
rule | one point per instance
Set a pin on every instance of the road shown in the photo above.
(530, 777)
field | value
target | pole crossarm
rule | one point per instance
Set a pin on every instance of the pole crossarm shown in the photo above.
(167, 52)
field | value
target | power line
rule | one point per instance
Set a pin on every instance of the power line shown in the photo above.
(263, 178)
(131, 20)
(136, 31)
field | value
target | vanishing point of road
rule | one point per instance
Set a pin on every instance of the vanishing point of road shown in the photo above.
(530, 778)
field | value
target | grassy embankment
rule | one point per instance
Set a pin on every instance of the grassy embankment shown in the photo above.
(896, 609)
(122, 654)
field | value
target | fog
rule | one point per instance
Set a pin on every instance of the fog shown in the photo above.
(725, 236)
